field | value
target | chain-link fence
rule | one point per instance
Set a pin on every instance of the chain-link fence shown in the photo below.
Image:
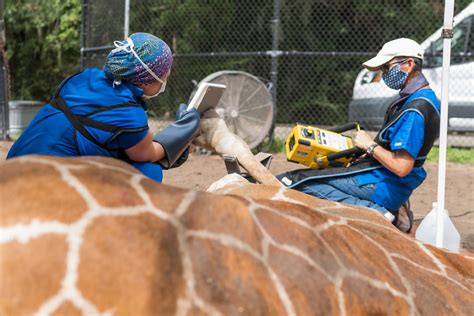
(4, 122)
(307, 53)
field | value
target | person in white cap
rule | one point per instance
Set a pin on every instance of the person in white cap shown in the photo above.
(392, 167)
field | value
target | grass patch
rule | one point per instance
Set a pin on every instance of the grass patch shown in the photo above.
(458, 155)
(277, 146)
(14, 136)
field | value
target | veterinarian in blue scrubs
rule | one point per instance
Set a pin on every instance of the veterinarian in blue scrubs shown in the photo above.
(101, 112)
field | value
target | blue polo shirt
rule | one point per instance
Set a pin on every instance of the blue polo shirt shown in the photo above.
(407, 133)
(50, 132)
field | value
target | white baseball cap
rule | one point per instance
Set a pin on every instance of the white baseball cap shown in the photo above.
(400, 47)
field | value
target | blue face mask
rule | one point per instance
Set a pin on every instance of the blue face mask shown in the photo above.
(395, 77)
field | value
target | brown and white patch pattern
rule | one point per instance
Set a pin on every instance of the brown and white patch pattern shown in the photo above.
(92, 236)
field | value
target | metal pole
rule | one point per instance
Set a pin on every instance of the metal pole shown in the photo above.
(85, 21)
(4, 111)
(275, 53)
(447, 34)
(126, 22)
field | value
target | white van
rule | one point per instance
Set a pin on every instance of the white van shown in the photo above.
(371, 96)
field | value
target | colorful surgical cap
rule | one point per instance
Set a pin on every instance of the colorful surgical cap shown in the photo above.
(125, 62)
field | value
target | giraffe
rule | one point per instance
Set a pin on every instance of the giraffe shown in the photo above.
(93, 236)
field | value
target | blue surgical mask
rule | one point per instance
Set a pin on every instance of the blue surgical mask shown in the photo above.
(162, 89)
(395, 77)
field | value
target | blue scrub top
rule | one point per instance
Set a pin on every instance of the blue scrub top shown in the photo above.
(50, 132)
(408, 134)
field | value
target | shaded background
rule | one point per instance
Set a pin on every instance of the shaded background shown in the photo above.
(308, 52)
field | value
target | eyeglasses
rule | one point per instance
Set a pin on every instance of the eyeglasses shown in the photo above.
(385, 68)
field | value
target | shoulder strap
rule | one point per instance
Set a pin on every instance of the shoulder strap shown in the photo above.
(59, 104)
(61, 85)
(425, 107)
(432, 121)
(112, 107)
(397, 106)
(80, 121)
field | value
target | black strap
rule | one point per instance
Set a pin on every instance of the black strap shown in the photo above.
(419, 163)
(59, 104)
(79, 122)
(431, 127)
(112, 107)
(296, 177)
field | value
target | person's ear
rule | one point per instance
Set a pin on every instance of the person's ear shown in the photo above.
(411, 64)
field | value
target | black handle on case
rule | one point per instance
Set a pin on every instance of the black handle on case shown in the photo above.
(343, 128)
(345, 153)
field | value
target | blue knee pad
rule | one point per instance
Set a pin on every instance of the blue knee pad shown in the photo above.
(149, 169)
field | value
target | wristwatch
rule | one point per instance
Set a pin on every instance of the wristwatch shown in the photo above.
(370, 149)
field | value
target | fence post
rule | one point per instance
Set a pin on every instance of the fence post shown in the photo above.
(275, 53)
(126, 22)
(4, 90)
(85, 28)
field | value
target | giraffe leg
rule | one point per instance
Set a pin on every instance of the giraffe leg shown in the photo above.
(232, 179)
(216, 136)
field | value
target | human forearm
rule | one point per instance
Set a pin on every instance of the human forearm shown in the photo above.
(399, 162)
(146, 150)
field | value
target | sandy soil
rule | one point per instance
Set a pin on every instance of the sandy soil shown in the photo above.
(200, 171)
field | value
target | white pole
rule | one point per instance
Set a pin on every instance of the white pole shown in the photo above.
(126, 22)
(443, 133)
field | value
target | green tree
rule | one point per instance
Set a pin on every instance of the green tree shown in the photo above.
(42, 45)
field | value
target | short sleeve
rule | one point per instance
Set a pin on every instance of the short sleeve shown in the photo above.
(133, 120)
(408, 133)
(130, 139)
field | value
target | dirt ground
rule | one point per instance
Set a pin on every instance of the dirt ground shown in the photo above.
(200, 171)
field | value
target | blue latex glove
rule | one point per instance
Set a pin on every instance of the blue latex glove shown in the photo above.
(181, 110)
(182, 159)
(176, 138)
(184, 156)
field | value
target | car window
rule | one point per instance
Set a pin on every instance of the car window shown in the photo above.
(371, 77)
(461, 46)
(470, 43)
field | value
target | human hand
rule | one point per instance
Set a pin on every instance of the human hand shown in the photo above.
(362, 140)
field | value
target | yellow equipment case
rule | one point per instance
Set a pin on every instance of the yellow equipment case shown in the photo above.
(319, 148)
